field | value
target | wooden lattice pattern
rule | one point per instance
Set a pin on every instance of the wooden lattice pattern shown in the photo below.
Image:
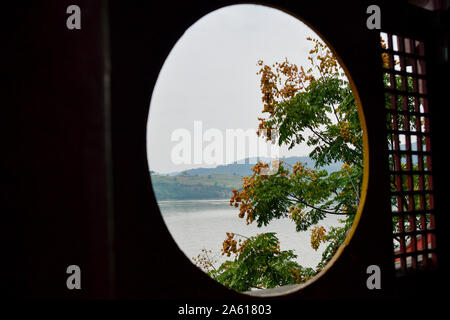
(409, 145)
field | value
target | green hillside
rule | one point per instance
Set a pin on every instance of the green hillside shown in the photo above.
(214, 183)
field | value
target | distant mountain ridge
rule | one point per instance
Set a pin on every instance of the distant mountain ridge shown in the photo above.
(243, 167)
(215, 183)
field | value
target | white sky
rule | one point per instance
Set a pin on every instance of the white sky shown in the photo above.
(210, 76)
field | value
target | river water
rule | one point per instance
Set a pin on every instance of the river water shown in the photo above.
(202, 224)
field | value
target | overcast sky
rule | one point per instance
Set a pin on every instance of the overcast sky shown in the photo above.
(210, 76)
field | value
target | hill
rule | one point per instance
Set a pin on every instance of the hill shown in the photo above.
(189, 187)
(243, 167)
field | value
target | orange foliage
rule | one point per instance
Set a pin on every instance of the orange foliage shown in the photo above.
(242, 199)
(318, 234)
(282, 81)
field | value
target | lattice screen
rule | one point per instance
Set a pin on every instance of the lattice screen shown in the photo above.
(409, 140)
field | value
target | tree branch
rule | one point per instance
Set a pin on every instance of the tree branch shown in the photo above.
(322, 210)
(320, 137)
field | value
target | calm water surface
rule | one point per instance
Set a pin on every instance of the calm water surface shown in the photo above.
(199, 224)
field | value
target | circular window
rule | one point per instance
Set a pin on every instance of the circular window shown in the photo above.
(255, 148)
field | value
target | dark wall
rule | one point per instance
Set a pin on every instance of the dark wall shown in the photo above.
(55, 160)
